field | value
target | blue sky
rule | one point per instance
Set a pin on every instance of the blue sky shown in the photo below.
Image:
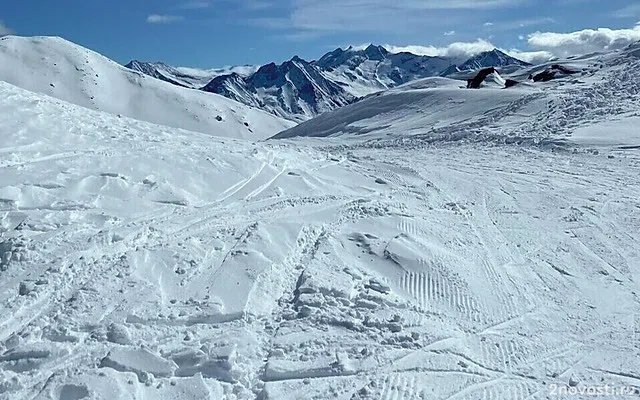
(213, 33)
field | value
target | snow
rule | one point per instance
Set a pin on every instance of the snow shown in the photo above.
(61, 69)
(206, 75)
(621, 132)
(430, 242)
(433, 102)
(193, 78)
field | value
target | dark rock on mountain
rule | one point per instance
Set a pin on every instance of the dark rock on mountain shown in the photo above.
(479, 78)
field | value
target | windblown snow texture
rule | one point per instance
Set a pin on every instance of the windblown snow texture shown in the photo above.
(431, 242)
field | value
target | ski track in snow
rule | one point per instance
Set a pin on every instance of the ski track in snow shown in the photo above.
(140, 261)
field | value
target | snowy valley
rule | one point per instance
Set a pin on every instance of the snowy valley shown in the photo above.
(424, 242)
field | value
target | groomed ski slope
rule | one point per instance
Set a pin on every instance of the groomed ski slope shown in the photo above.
(59, 68)
(146, 262)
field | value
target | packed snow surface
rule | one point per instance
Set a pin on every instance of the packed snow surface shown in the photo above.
(489, 254)
(61, 69)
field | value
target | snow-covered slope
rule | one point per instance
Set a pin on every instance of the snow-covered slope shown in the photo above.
(438, 108)
(139, 261)
(72, 73)
(243, 70)
(165, 73)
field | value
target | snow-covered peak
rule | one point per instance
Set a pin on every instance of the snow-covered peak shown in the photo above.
(296, 89)
(493, 58)
(351, 56)
(374, 52)
(184, 76)
(208, 74)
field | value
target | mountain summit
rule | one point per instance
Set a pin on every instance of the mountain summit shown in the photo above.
(493, 58)
(295, 89)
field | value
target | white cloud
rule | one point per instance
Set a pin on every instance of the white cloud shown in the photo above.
(450, 33)
(533, 57)
(457, 49)
(164, 19)
(584, 41)
(463, 50)
(5, 30)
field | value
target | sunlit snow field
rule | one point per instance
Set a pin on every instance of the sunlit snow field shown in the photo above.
(426, 243)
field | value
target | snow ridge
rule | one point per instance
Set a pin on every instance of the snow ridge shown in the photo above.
(59, 68)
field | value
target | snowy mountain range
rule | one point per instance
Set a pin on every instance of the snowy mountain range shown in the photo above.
(187, 77)
(299, 90)
(295, 89)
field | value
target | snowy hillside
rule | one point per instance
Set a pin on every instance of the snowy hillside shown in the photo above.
(61, 69)
(434, 107)
(484, 248)
(208, 74)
